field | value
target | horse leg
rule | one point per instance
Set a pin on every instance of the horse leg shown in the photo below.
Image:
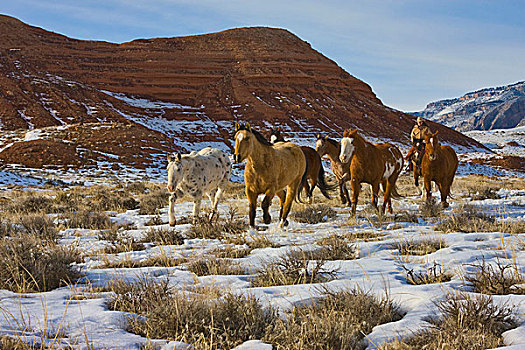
(356, 188)
(387, 189)
(265, 205)
(375, 192)
(290, 195)
(444, 189)
(282, 197)
(216, 199)
(306, 188)
(428, 188)
(313, 183)
(342, 190)
(197, 198)
(171, 209)
(252, 202)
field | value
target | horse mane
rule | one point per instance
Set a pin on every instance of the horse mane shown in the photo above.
(260, 137)
(332, 141)
(355, 134)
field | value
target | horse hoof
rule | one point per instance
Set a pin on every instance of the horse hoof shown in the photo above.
(343, 200)
(444, 204)
(172, 223)
(267, 220)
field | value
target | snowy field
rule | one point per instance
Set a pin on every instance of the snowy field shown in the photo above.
(78, 315)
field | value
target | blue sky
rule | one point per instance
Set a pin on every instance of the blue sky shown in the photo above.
(410, 52)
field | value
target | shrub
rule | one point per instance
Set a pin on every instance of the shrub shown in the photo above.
(473, 323)
(164, 236)
(105, 199)
(335, 247)
(120, 242)
(293, 268)
(498, 278)
(430, 208)
(87, 219)
(314, 214)
(39, 225)
(429, 274)
(420, 246)
(338, 321)
(151, 202)
(28, 264)
(30, 202)
(194, 319)
(215, 229)
(210, 265)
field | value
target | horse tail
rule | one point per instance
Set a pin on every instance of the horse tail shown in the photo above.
(322, 185)
(298, 197)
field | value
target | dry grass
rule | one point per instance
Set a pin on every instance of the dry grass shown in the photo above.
(314, 214)
(430, 208)
(419, 246)
(164, 236)
(338, 321)
(210, 265)
(195, 319)
(293, 268)
(93, 220)
(29, 264)
(151, 202)
(253, 241)
(119, 241)
(466, 323)
(231, 252)
(159, 260)
(498, 278)
(217, 228)
(39, 225)
(335, 247)
(406, 216)
(468, 218)
(28, 202)
(428, 274)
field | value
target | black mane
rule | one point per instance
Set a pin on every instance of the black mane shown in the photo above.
(260, 137)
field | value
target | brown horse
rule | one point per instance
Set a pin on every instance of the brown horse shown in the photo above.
(372, 164)
(439, 164)
(315, 167)
(416, 162)
(332, 149)
(269, 170)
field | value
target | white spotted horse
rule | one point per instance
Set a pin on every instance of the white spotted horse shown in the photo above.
(204, 172)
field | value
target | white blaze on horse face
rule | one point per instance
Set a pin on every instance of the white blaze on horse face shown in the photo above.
(318, 145)
(240, 137)
(347, 149)
(273, 139)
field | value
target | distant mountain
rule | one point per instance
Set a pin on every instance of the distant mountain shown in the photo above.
(77, 103)
(487, 109)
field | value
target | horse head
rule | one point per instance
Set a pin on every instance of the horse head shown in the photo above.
(243, 142)
(348, 145)
(177, 166)
(275, 135)
(431, 145)
(320, 144)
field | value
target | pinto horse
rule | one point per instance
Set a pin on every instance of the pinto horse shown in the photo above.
(376, 165)
(315, 167)
(271, 170)
(332, 149)
(439, 164)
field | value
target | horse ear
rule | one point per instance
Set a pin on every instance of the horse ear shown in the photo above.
(237, 126)
(170, 158)
(353, 132)
(248, 127)
(178, 157)
(436, 133)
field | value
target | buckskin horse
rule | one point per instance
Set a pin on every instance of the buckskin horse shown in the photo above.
(315, 167)
(271, 170)
(376, 165)
(439, 164)
(332, 149)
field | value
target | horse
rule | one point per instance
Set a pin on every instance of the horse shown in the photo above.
(416, 162)
(332, 149)
(378, 164)
(439, 164)
(207, 171)
(279, 169)
(315, 167)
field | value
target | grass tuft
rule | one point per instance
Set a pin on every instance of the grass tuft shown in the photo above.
(314, 214)
(496, 279)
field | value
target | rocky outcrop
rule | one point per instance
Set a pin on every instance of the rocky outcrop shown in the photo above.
(488, 109)
(188, 89)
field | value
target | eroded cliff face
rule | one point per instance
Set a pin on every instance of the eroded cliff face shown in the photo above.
(186, 90)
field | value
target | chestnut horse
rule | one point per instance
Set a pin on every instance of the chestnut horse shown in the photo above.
(332, 149)
(439, 164)
(372, 164)
(315, 167)
(269, 170)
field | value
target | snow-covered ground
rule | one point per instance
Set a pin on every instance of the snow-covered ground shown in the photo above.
(87, 322)
(502, 141)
